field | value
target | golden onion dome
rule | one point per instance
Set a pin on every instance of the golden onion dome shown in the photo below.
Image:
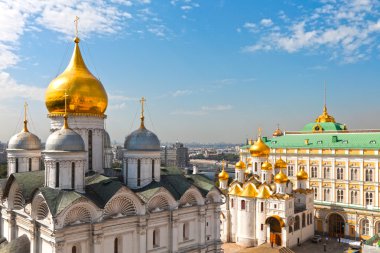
(302, 174)
(266, 166)
(325, 117)
(280, 177)
(281, 164)
(249, 191)
(235, 190)
(85, 93)
(259, 149)
(264, 192)
(240, 165)
(250, 163)
(277, 132)
(223, 175)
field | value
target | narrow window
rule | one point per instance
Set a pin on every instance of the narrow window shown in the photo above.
(262, 206)
(255, 167)
(16, 165)
(152, 169)
(138, 172)
(185, 232)
(232, 203)
(156, 238)
(116, 246)
(303, 220)
(57, 174)
(73, 175)
(30, 164)
(90, 149)
(243, 205)
(74, 249)
(262, 227)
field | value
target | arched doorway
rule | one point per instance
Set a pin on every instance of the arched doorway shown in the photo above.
(336, 225)
(275, 224)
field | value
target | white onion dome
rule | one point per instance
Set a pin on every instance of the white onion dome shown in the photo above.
(24, 140)
(65, 139)
(142, 140)
(106, 140)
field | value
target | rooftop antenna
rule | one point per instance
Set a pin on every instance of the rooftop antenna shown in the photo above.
(25, 117)
(142, 101)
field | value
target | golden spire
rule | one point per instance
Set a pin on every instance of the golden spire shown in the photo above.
(25, 118)
(325, 117)
(280, 177)
(65, 122)
(142, 101)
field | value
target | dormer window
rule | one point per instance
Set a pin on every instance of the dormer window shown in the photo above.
(372, 142)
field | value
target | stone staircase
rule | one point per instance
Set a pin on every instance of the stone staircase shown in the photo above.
(286, 250)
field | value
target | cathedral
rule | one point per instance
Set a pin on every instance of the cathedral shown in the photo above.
(61, 198)
(262, 205)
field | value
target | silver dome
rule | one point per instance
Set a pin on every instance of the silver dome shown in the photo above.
(65, 139)
(24, 140)
(106, 140)
(142, 139)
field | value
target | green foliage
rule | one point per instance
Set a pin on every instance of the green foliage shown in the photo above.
(116, 165)
(228, 157)
(3, 170)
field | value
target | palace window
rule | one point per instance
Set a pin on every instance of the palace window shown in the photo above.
(314, 172)
(368, 175)
(315, 189)
(365, 227)
(326, 194)
(303, 220)
(339, 196)
(326, 171)
(369, 198)
(354, 174)
(243, 205)
(354, 197)
(339, 173)
(296, 223)
(290, 171)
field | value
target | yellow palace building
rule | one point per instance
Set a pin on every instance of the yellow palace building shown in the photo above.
(343, 169)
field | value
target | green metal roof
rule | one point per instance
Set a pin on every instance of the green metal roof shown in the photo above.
(326, 126)
(333, 140)
(29, 182)
(58, 200)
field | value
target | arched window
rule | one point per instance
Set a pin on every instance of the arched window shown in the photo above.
(354, 174)
(339, 173)
(116, 245)
(138, 172)
(90, 149)
(290, 229)
(303, 220)
(296, 223)
(73, 175)
(57, 174)
(326, 171)
(74, 249)
(185, 231)
(152, 169)
(262, 206)
(256, 167)
(368, 198)
(243, 205)
(232, 203)
(16, 165)
(290, 171)
(314, 172)
(354, 197)
(365, 227)
(315, 189)
(326, 195)
(339, 196)
(156, 238)
(30, 164)
(368, 175)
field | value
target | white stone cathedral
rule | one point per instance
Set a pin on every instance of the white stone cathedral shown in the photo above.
(60, 198)
(262, 205)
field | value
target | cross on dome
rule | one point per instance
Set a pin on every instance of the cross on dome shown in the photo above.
(142, 101)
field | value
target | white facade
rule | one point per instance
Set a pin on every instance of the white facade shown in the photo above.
(20, 160)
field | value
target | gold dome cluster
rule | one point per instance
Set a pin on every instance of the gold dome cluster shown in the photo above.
(240, 165)
(266, 166)
(223, 175)
(280, 164)
(280, 177)
(85, 93)
(259, 149)
(302, 174)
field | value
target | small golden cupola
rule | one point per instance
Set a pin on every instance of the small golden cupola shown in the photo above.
(223, 175)
(302, 174)
(277, 132)
(280, 177)
(266, 166)
(280, 164)
(259, 148)
(325, 117)
(240, 165)
(86, 93)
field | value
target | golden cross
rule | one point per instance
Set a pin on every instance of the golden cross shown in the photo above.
(25, 109)
(142, 101)
(76, 25)
(65, 96)
(259, 131)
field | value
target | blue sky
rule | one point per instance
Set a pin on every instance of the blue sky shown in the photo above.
(212, 71)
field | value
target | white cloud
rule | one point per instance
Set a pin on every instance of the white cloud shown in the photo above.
(217, 108)
(343, 30)
(203, 111)
(11, 89)
(266, 22)
(179, 93)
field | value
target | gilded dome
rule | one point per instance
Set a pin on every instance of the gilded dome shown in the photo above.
(240, 165)
(249, 191)
(259, 148)
(223, 175)
(266, 166)
(281, 164)
(280, 177)
(264, 192)
(325, 117)
(278, 132)
(302, 174)
(235, 190)
(85, 93)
